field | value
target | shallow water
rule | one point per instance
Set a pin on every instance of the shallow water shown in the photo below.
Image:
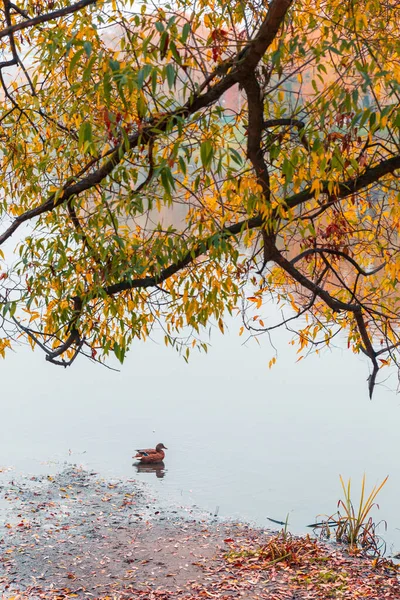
(244, 441)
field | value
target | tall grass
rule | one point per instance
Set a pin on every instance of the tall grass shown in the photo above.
(355, 526)
(354, 522)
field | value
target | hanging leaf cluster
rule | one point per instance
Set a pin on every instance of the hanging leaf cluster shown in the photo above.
(165, 167)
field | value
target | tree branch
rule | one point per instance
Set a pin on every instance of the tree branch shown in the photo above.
(336, 305)
(268, 31)
(351, 186)
(14, 60)
(299, 125)
(254, 133)
(368, 349)
(62, 12)
(190, 257)
(80, 230)
(18, 10)
(351, 260)
(333, 303)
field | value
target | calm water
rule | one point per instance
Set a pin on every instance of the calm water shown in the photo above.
(253, 442)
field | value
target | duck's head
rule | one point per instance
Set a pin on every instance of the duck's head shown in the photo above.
(160, 447)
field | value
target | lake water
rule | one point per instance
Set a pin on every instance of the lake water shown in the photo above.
(254, 442)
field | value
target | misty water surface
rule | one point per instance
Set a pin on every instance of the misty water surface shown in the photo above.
(252, 441)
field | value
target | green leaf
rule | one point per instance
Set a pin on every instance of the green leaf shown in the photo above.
(75, 59)
(182, 165)
(175, 52)
(288, 170)
(236, 157)
(206, 153)
(143, 75)
(164, 44)
(87, 72)
(87, 46)
(171, 75)
(185, 32)
(13, 308)
(119, 352)
(125, 138)
(372, 119)
(165, 183)
(167, 180)
(114, 65)
(85, 136)
(141, 106)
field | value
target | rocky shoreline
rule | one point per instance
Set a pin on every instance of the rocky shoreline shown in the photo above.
(77, 535)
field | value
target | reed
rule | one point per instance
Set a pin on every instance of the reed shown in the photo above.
(353, 524)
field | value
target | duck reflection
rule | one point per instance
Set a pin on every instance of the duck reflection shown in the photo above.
(157, 468)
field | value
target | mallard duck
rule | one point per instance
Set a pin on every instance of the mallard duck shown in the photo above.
(151, 455)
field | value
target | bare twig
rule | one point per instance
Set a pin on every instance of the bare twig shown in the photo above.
(56, 14)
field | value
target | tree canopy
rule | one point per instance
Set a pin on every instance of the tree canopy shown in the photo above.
(164, 166)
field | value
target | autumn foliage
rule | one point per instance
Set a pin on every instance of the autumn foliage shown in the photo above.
(162, 168)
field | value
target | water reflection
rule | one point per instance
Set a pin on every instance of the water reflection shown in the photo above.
(157, 468)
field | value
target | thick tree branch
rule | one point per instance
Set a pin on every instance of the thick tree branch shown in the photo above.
(333, 303)
(189, 258)
(268, 31)
(67, 363)
(73, 339)
(254, 133)
(368, 350)
(69, 190)
(351, 186)
(301, 311)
